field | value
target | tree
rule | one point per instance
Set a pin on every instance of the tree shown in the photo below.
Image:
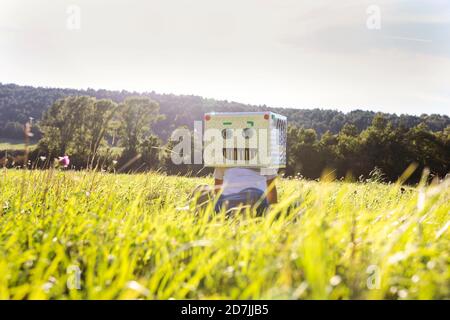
(150, 149)
(430, 149)
(137, 114)
(99, 122)
(61, 122)
(76, 126)
(303, 153)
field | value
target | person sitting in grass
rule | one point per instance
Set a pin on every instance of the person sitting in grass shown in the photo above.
(238, 187)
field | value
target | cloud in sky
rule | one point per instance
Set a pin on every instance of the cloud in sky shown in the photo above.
(280, 53)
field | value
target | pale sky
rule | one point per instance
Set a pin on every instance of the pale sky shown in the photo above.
(282, 53)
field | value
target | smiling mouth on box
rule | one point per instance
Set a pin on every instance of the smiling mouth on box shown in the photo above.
(239, 153)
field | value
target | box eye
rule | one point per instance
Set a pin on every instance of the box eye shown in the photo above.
(247, 133)
(227, 133)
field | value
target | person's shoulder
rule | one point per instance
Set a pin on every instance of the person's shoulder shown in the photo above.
(269, 173)
(219, 173)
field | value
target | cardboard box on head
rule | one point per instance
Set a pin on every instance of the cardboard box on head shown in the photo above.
(245, 139)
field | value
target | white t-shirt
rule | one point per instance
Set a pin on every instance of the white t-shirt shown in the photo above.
(238, 179)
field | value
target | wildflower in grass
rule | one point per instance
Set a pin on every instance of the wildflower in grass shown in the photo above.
(64, 161)
(335, 280)
(136, 286)
(42, 158)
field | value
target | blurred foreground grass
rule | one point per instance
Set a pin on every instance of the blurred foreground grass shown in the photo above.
(85, 235)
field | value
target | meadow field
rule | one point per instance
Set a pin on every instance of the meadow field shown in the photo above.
(14, 144)
(93, 235)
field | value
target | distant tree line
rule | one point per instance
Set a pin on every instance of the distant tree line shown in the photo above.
(100, 133)
(124, 135)
(382, 146)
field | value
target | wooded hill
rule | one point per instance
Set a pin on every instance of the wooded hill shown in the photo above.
(18, 103)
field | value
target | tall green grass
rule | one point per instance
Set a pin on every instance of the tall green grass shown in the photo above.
(127, 238)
